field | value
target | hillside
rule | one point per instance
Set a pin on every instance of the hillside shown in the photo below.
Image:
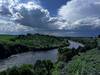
(81, 61)
(86, 64)
(10, 44)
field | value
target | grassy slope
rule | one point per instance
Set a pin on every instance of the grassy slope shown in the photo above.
(6, 38)
(98, 41)
(10, 44)
(86, 64)
(36, 41)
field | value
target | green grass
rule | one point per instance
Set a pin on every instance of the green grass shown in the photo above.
(86, 64)
(13, 44)
(6, 38)
(37, 40)
(40, 68)
(98, 41)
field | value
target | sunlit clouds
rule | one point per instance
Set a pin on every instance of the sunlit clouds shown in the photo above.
(75, 17)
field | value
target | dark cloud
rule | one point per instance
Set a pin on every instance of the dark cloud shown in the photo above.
(28, 13)
(77, 17)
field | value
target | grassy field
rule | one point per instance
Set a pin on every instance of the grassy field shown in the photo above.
(86, 64)
(36, 41)
(6, 38)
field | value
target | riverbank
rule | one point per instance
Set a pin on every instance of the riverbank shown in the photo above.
(32, 57)
(28, 58)
(10, 45)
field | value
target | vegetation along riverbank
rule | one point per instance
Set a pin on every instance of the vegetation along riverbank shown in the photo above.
(81, 61)
(13, 44)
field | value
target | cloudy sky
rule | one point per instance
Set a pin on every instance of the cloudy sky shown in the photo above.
(55, 17)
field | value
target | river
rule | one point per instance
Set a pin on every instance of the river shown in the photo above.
(32, 57)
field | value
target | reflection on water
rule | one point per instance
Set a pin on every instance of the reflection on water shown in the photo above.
(28, 58)
(32, 57)
(74, 44)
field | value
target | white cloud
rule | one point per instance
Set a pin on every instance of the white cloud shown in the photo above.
(89, 23)
(78, 9)
(28, 13)
(77, 16)
(81, 16)
(9, 27)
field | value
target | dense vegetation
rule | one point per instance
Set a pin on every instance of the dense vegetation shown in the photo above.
(40, 68)
(22, 43)
(66, 54)
(84, 64)
(89, 42)
(81, 61)
(35, 41)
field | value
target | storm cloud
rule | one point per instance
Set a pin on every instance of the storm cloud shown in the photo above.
(76, 17)
(28, 13)
(81, 16)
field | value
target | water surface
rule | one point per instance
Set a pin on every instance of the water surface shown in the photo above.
(28, 58)
(32, 57)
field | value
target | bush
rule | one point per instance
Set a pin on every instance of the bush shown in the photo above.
(13, 71)
(43, 67)
(26, 70)
(3, 73)
(40, 68)
(85, 64)
(65, 54)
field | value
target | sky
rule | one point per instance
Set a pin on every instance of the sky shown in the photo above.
(53, 5)
(54, 17)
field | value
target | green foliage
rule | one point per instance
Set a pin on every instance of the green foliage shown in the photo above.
(13, 71)
(98, 39)
(83, 61)
(26, 70)
(36, 40)
(3, 73)
(89, 42)
(57, 68)
(86, 64)
(65, 54)
(62, 50)
(43, 67)
(70, 61)
(39, 41)
(10, 44)
(40, 68)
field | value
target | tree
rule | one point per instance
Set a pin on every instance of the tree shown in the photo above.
(43, 67)
(3, 73)
(13, 71)
(26, 70)
(98, 36)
